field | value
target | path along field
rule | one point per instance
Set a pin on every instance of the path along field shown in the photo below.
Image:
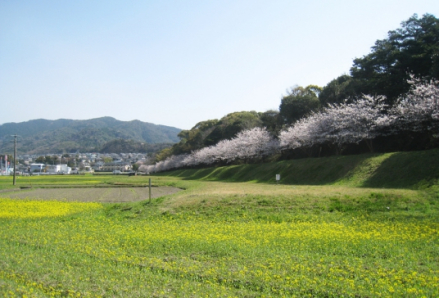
(219, 239)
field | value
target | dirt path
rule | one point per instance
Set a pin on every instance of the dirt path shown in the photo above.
(110, 195)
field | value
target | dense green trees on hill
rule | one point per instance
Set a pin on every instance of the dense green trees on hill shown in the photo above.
(299, 102)
(231, 124)
(210, 132)
(338, 90)
(411, 51)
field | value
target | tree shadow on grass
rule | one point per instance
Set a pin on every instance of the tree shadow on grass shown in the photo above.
(309, 171)
(413, 170)
(320, 171)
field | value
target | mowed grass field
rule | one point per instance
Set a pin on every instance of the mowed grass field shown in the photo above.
(219, 239)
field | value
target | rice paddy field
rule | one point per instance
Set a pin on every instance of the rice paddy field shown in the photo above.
(217, 239)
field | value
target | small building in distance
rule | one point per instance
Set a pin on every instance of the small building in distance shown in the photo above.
(36, 167)
(116, 166)
(58, 169)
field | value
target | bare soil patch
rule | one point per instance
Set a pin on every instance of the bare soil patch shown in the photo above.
(107, 195)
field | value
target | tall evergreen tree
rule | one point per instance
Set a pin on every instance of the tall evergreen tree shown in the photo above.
(411, 49)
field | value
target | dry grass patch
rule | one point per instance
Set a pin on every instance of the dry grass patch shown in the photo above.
(110, 195)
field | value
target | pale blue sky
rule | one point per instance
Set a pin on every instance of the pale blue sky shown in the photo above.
(179, 62)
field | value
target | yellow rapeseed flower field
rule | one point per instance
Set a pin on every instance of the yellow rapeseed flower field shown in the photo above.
(222, 240)
(36, 209)
(186, 255)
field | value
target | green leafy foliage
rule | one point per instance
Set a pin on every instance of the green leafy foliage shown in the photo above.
(411, 49)
(272, 121)
(299, 102)
(338, 90)
(195, 138)
(230, 125)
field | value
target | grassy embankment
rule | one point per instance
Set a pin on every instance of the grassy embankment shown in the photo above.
(410, 170)
(336, 230)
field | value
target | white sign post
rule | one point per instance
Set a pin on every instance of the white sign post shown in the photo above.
(277, 178)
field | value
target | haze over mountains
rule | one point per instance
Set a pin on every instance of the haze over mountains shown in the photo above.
(64, 135)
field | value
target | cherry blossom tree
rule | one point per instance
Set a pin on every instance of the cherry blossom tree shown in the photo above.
(418, 110)
(253, 143)
(248, 144)
(339, 124)
(363, 119)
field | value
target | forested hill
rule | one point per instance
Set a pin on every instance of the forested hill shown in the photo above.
(64, 135)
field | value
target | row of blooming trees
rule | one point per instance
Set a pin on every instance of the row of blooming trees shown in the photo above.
(248, 144)
(367, 118)
(337, 125)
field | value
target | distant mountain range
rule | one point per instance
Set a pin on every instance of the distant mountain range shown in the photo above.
(63, 136)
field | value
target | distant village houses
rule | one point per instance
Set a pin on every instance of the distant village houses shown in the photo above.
(117, 166)
(73, 163)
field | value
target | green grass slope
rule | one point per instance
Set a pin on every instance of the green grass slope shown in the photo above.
(414, 170)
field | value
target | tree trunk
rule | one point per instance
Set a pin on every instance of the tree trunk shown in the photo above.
(369, 144)
(307, 151)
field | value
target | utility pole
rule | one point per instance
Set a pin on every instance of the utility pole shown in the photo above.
(150, 190)
(15, 157)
